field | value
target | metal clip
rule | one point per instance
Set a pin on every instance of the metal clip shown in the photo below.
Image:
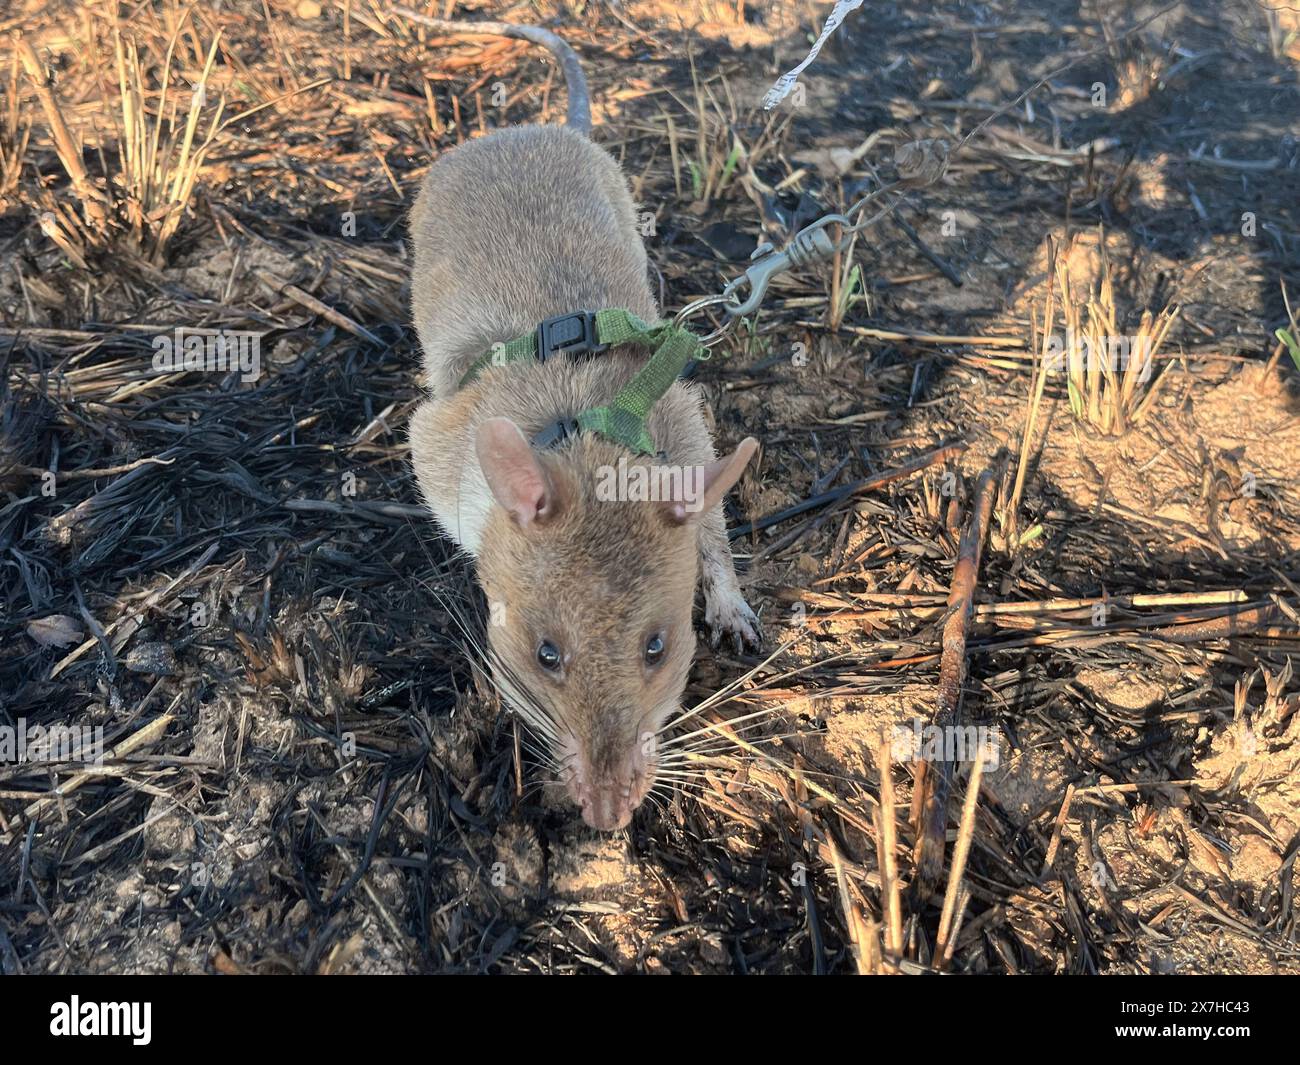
(807, 246)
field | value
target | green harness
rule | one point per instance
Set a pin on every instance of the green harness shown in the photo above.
(624, 419)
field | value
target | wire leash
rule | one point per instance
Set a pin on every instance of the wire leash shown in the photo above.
(919, 163)
(810, 245)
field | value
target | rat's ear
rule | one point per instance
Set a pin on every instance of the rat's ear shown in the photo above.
(718, 477)
(513, 473)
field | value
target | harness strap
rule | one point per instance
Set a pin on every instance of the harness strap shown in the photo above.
(623, 420)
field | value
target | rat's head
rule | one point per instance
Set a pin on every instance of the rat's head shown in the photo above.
(589, 561)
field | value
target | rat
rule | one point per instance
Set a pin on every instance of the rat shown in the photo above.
(590, 637)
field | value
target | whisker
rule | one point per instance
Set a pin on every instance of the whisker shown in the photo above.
(508, 686)
(717, 726)
(690, 781)
(657, 801)
(734, 746)
(731, 687)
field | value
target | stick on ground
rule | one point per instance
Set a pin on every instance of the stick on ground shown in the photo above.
(933, 782)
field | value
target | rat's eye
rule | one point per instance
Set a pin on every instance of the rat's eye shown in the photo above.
(654, 649)
(548, 655)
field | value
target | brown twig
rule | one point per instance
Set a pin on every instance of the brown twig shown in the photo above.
(309, 301)
(932, 787)
(868, 484)
(93, 200)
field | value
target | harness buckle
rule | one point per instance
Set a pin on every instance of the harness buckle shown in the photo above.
(556, 433)
(568, 334)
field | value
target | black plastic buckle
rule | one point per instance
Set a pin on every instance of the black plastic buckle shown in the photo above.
(568, 334)
(556, 433)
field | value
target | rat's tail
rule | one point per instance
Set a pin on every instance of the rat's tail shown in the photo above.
(575, 81)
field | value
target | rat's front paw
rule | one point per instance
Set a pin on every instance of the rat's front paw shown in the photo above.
(727, 614)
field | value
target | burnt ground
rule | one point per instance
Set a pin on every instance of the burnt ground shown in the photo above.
(232, 578)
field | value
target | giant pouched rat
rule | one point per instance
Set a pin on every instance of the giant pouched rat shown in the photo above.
(590, 639)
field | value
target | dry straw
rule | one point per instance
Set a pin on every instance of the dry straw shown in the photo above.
(138, 202)
(13, 136)
(1110, 374)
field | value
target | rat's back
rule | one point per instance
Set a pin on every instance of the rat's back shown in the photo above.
(510, 229)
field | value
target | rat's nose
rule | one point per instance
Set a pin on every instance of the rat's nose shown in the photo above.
(608, 784)
(607, 808)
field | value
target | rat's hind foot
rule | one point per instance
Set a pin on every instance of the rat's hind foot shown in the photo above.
(727, 614)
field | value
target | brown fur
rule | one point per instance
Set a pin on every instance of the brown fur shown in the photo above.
(508, 230)
(576, 581)
(513, 228)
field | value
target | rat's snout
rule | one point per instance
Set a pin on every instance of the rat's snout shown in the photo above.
(607, 807)
(610, 786)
